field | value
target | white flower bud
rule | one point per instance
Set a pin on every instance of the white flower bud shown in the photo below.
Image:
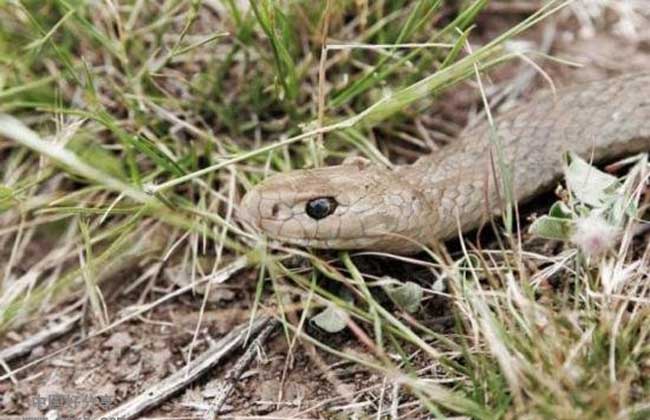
(594, 235)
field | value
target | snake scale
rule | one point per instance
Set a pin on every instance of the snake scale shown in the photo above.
(361, 205)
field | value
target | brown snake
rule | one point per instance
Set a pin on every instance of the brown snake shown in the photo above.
(367, 206)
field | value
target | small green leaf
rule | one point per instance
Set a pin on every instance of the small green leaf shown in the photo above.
(332, 319)
(589, 184)
(561, 211)
(407, 295)
(549, 227)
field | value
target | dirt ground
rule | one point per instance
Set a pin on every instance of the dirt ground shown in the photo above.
(103, 372)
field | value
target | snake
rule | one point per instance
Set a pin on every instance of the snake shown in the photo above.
(361, 205)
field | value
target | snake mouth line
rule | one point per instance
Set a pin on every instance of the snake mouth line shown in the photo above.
(296, 239)
(341, 242)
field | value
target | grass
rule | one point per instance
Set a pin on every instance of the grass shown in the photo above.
(130, 131)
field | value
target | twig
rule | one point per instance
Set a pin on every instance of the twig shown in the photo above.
(42, 337)
(235, 373)
(185, 376)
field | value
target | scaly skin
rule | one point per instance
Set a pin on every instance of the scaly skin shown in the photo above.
(402, 209)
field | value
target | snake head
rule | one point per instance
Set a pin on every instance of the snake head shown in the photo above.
(350, 206)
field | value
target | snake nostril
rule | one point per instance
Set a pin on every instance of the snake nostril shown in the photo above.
(275, 209)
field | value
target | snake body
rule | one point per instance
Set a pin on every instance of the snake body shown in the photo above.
(360, 205)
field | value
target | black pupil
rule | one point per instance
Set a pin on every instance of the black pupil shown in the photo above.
(319, 208)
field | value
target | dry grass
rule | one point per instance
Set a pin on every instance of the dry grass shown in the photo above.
(147, 121)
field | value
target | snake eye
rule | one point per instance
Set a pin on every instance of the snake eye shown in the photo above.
(319, 208)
